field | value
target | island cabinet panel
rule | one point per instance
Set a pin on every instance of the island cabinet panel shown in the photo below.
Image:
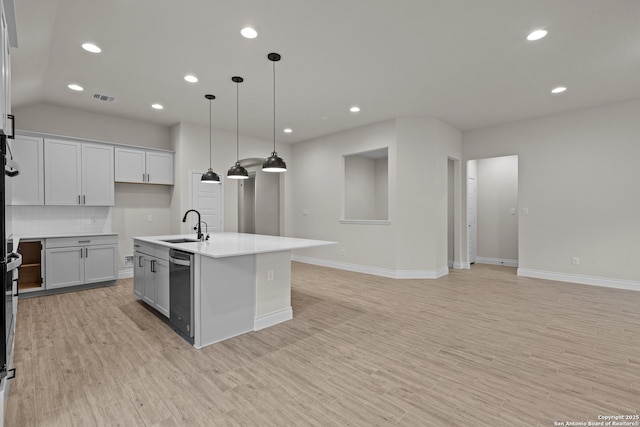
(273, 284)
(151, 275)
(226, 303)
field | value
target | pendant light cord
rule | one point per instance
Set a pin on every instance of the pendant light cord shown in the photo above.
(209, 134)
(237, 121)
(274, 106)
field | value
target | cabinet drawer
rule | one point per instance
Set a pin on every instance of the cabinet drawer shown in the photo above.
(162, 252)
(145, 248)
(65, 242)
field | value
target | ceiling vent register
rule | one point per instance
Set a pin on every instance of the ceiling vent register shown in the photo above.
(105, 98)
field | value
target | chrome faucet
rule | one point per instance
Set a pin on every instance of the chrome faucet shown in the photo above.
(199, 230)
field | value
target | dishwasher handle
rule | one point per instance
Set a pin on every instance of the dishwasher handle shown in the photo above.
(177, 261)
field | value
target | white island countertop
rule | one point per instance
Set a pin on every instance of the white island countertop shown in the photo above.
(227, 244)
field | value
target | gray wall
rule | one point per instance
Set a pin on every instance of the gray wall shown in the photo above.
(577, 177)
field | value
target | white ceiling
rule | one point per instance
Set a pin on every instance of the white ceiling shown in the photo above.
(466, 62)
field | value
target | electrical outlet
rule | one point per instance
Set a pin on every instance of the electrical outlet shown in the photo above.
(149, 218)
(270, 275)
(343, 251)
(575, 260)
(128, 260)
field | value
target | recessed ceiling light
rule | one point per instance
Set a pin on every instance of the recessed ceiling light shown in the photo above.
(558, 89)
(287, 130)
(157, 106)
(536, 35)
(249, 33)
(354, 109)
(75, 87)
(90, 47)
(190, 78)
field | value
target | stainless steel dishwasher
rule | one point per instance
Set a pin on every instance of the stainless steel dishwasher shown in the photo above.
(181, 292)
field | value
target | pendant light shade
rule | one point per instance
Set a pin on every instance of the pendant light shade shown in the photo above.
(210, 176)
(237, 171)
(274, 163)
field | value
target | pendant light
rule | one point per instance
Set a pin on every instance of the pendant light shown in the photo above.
(274, 163)
(210, 176)
(237, 171)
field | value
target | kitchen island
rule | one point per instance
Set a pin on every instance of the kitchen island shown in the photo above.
(241, 282)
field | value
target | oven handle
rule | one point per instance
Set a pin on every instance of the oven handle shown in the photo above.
(15, 263)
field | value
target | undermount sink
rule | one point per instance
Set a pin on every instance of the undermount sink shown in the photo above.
(180, 240)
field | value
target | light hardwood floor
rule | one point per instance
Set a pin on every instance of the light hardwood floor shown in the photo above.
(475, 348)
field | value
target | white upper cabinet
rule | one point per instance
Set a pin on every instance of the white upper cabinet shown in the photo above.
(143, 166)
(79, 174)
(27, 188)
(159, 167)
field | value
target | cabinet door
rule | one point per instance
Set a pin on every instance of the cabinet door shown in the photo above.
(159, 167)
(97, 175)
(149, 295)
(62, 172)
(138, 274)
(100, 263)
(162, 286)
(28, 187)
(64, 267)
(130, 165)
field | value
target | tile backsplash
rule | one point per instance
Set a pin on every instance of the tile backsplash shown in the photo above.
(46, 220)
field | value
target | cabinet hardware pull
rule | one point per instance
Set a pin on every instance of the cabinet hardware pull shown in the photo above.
(78, 199)
(80, 252)
(86, 252)
(139, 261)
(148, 178)
(84, 200)
(84, 241)
(13, 126)
(143, 177)
(153, 265)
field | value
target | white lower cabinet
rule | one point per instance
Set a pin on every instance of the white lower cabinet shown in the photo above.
(72, 261)
(151, 276)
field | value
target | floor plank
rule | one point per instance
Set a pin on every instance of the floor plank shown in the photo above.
(479, 347)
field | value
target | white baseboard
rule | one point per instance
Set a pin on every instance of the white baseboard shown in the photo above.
(125, 274)
(457, 265)
(584, 280)
(497, 261)
(376, 271)
(270, 319)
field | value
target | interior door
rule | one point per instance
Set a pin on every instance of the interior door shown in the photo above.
(472, 221)
(207, 199)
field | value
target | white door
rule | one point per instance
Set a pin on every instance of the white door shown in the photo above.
(159, 167)
(162, 286)
(97, 175)
(28, 187)
(130, 165)
(472, 206)
(100, 263)
(207, 199)
(62, 172)
(64, 267)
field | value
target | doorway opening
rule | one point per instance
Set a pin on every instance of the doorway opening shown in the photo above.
(259, 200)
(492, 211)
